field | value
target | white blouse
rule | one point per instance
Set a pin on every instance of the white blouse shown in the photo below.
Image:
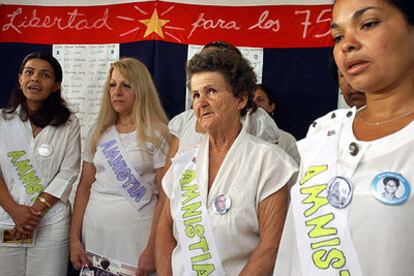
(257, 123)
(382, 234)
(145, 158)
(60, 169)
(251, 171)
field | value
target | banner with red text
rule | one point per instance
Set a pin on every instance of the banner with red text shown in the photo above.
(277, 26)
(292, 38)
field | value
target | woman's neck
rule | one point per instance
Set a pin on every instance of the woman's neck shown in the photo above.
(385, 114)
(390, 104)
(32, 106)
(124, 124)
(124, 120)
(221, 141)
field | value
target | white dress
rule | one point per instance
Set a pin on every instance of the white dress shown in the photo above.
(258, 124)
(112, 226)
(60, 169)
(251, 171)
(382, 234)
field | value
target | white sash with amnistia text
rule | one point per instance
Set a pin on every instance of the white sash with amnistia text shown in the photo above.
(22, 165)
(324, 239)
(122, 174)
(200, 255)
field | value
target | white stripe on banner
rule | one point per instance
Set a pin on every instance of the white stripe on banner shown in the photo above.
(68, 2)
(201, 2)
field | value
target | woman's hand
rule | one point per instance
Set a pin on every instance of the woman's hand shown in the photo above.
(26, 220)
(146, 263)
(78, 254)
(18, 236)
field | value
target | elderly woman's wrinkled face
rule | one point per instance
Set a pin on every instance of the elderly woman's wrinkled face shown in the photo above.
(373, 44)
(214, 103)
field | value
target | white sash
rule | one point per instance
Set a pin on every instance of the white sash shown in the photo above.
(196, 238)
(121, 172)
(23, 166)
(324, 239)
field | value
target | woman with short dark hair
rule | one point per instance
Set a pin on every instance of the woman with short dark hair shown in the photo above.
(227, 195)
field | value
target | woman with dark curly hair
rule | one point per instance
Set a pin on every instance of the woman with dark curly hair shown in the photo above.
(352, 208)
(39, 161)
(226, 196)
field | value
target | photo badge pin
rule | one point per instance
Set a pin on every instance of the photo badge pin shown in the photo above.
(222, 204)
(44, 150)
(390, 188)
(339, 192)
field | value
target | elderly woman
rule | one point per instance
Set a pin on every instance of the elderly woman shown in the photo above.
(186, 130)
(227, 196)
(362, 230)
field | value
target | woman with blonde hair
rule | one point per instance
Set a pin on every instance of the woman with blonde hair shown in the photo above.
(121, 173)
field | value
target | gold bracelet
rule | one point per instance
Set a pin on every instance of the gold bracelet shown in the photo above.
(44, 201)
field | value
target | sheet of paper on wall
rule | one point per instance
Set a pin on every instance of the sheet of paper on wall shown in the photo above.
(85, 68)
(254, 55)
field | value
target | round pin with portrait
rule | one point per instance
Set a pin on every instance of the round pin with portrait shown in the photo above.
(339, 192)
(45, 150)
(222, 204)
(390, 188)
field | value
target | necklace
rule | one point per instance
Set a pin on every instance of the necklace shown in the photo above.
(119, 123)
(386, 121)
(124, 128)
